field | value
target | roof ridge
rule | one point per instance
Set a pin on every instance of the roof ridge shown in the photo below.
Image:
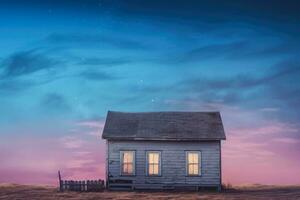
(143, 112)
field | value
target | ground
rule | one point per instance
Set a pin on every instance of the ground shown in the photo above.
(12, 191)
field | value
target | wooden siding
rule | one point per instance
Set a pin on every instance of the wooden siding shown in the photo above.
(173, 162)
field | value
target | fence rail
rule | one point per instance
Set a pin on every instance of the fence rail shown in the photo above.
(81, 186)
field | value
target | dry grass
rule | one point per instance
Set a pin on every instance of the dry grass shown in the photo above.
(12, 191)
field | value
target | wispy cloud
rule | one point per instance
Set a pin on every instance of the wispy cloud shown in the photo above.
(271, 128)
(26, 62)
(269, 109)
(55, 102)
(102, 61)
(286, 140)
(96, 40)
(71, 142)
(92, 127)
(215, 50)
(246, 81)
(14, 86)
(97, 76)
(91, 124)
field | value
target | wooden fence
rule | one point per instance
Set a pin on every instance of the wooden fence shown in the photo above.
(81, 186)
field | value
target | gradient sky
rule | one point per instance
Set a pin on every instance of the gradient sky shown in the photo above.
(64, 64)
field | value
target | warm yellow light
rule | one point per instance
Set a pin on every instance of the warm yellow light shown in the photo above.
(128, 157)
(153, 163)
(193, 163)
(128, 162)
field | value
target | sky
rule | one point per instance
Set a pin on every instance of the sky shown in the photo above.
(64, 64)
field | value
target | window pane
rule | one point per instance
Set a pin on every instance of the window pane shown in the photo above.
(191, 169)
(155, 169)
(130, 157)
(155, 158)
(150, 170)
(150, 157)
(195, 157)
(190, 158)
(196, 169)
(124, 158)
(127, 157)
(129, 169)
(125, 168)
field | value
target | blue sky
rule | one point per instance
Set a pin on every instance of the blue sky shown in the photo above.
(69, 62)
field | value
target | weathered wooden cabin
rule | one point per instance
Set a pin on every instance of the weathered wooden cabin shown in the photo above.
(163, 150)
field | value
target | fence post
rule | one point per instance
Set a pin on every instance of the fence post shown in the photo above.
(60, 182)
(72, 185)
(102, 184)
(99, 185)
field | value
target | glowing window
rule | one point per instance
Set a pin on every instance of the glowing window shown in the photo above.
(193, 163)
(154, 162)
(128, 163)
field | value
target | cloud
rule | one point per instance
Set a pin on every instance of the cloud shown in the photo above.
(236, 50)
(242, 81)
(270, 128)
(71, 142)
(26, 62)
(96, 40)
(232, 89)
(104, 61)
(92, 127)
(14, 86)
(91, 124)
(55, 102)
(269, 109)
(215, 50)
(286, 140)
(97, 76)
(18, 71)
(286, 47)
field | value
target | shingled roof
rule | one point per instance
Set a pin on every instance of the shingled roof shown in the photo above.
(163, 126)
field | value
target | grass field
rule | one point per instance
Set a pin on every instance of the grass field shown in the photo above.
(25, 192)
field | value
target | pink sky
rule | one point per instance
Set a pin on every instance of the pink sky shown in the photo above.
(259, 154)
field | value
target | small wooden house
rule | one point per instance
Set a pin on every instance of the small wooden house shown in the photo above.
(163, 150)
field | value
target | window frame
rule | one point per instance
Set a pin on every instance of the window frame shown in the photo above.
(133, 162)
(159, 163)
(199, 163)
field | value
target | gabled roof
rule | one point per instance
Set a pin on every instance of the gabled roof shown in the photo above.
(187, 126)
